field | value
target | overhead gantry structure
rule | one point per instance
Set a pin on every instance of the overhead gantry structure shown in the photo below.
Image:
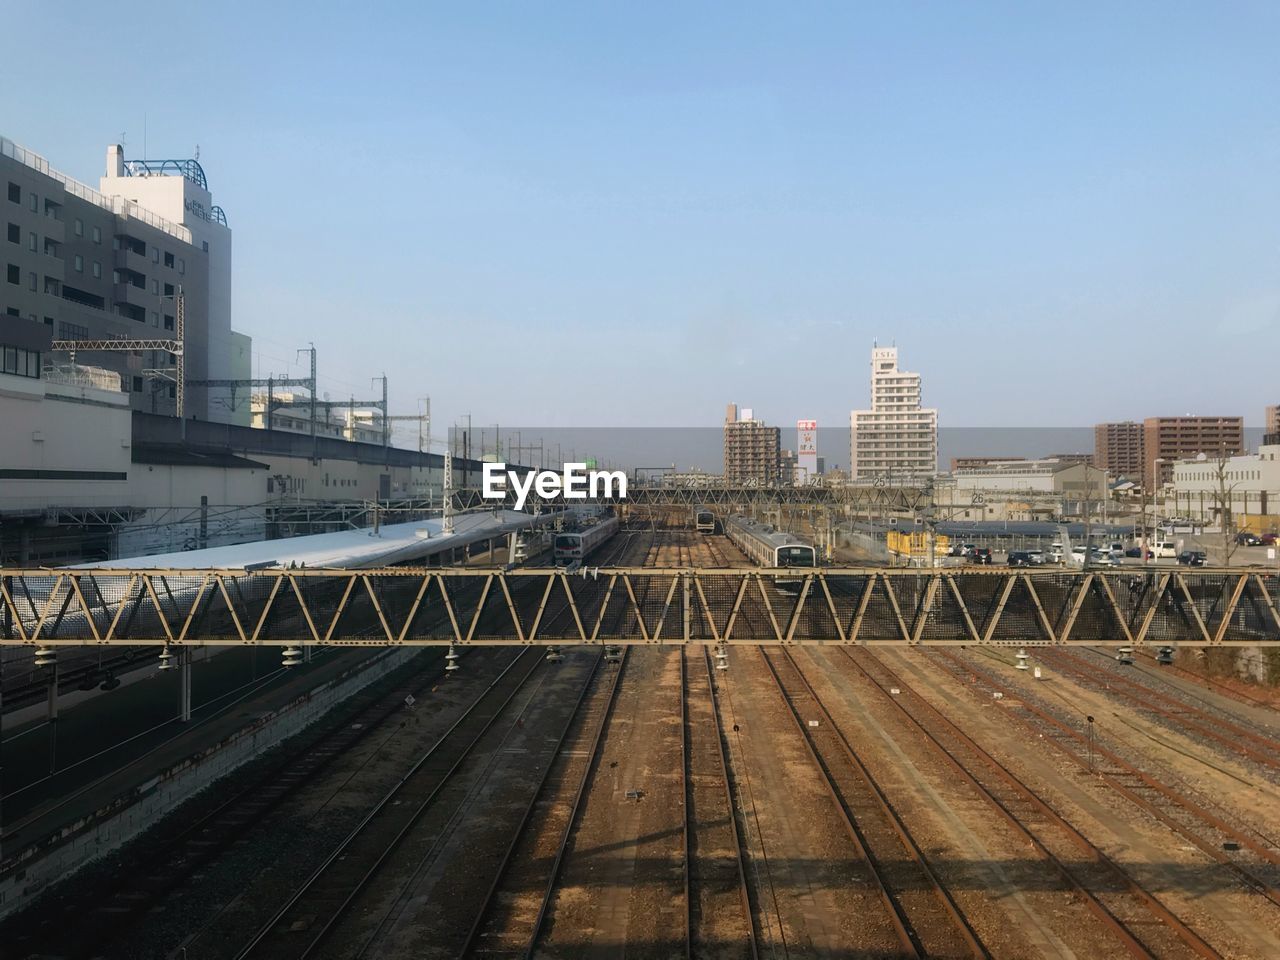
(553, 607)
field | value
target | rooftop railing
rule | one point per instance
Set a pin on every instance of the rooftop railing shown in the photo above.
(117, 205)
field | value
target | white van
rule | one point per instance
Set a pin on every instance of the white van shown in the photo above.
(1164, 550)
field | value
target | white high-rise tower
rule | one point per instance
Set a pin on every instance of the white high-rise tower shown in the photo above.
(896, 438)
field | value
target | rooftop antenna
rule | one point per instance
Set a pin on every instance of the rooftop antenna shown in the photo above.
(197, 153)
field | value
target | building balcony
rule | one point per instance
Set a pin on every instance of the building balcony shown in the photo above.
(136, 296)
(127, 259)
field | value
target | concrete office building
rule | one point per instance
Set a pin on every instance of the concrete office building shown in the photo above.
(752, 450)
(1117, 449)
(108, 264)
(1248, 485)
(1271, 430)
(896, 437)
(1168, 439)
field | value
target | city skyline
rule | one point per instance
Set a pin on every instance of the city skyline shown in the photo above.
(730, 215)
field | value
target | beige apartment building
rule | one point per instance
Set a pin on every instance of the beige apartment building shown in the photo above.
(896, 437)
(752, 450)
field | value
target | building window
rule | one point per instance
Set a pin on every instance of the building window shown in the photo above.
(168, 289)
(168, 321)
(32, 241)
(72, 331)
(155, 287)
(79, 227)
(97, 270)
(21, 363)
(204, 245)
(168, 260)
(12, 311)
(15, 233)
(53, 286)
(137, 384)
(15, 193)
(15, 275)
(182, 266)
(97, 234)
(35, 203)
(155, 319)
(48, 321)
(32, 280)
(79, 263)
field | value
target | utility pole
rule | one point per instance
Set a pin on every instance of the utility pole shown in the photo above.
(311, 349)
(386, 426)
(448, 491)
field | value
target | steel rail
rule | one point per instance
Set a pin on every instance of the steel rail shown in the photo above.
(1131, 942)
(744, 890)
(686, 779)
(574, 812)
(477, 925)
(1211, 684)
(908, 938)
(1232, 736)
(890, 815)
(388, 799)
(1059, 730)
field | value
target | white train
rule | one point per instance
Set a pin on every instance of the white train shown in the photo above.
(575, 546)
(768, 547)
(704, 521)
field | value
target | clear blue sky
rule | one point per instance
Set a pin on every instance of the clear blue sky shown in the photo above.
(632, 214)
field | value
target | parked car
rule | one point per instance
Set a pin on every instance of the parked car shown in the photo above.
(1192, 558)
(1247, 539)
(1025, 558)
(979, 555)
(1164, 549)
(1268, 540)
(1134, 552)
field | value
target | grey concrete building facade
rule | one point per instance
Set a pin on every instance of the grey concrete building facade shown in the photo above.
(100, 265)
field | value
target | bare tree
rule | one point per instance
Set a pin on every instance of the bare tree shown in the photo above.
(1223, 497)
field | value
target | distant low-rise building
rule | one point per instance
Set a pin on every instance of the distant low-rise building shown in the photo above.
(969, 463)
(1247, 484)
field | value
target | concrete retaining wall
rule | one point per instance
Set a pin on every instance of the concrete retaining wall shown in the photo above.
(28, 872)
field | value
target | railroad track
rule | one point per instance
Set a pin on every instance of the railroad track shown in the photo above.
(362, 863)
(507, 924)
(924, 915)
(158, 866)
(1207, 831)
(721, 916)
(1140, 924)
(1210, 728)
(1199, 679)
(308, 916)
(510, 923)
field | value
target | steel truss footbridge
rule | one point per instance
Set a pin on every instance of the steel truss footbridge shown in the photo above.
(646, 605)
